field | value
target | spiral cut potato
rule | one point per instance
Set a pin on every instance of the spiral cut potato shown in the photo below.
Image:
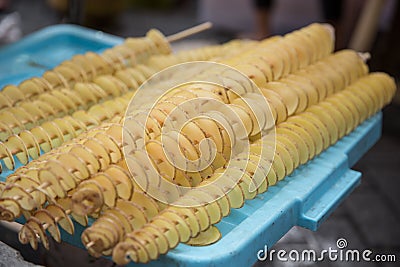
(82, 94)
(199, 133)
(112, 167)
(52, 133)
(126, 76)
(58, 103)
(164, 232)
(86, 155)
(276, 57)
(62, 169)
(85, 68)
(60, 192)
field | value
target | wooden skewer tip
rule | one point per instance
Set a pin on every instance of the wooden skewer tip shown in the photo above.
(90, 244)
(188, 32)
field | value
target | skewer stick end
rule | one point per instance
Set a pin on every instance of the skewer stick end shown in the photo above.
(188, 32)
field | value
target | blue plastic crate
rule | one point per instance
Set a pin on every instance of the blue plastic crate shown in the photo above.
(305, 198)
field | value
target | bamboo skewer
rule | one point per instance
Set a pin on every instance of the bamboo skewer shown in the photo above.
(188, 32)
(171, 38)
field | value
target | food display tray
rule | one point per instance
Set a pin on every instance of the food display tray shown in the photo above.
(305, 198)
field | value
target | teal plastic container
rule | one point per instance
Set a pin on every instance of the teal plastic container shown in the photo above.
(305, 198)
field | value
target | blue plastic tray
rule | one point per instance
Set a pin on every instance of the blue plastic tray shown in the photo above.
(305, 198)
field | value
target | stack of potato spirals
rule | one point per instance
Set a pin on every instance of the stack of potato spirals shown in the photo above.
(83, 155)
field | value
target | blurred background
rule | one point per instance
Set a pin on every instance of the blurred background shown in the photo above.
(370, 217)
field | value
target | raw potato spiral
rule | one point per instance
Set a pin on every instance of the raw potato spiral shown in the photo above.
(86, 170)
(49, 135)
(85, 68)
(289, 150)
(87, 157)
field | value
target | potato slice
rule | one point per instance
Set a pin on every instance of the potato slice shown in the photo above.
(9, 209)
(306, 85)
(76, 68)
(275, 60)
(66, 204)
(6, 157)
(74, 165)
(311, 129)
(24, 199)
(65, 178)
(49, 223)
(189, 215)
(182, 178)
(285, 55)
(88, 198)
(219, 195)
(69, 74)
(24, 116)
(141, 253)
(27, 234)
(51, 179)
(61, 217)
(158, 236)
(293, 60)
(351, 104)
(8, 118)
(58, 108)
(336, 115)
(108, 187)
(205, 238)
(5, 102)
(277, 104)
(253, 73)
(134, 213)
(86, 65)
(169, 228)
(364, 97)
(88, 153)
(182, 226)
(282, 152)
(54, 132)
(210, 204)
(288, 96)
(156, 152)
(301, 48)
(148, 243)
(13, 93)
(37, 227)
(122, 180)
(31, 143)
(245, 183)
(99, 238)
(345, 111)
(200, 212)
(150, 207)
(297, 141)
(5, 131)
(211, 130)
(229, 186)
(29, 185)
(100, 152)
(245, 117)
(42, 138)
(111, 145)
(123, 219)
(327, 117)
(115, 224)
(259, 112)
